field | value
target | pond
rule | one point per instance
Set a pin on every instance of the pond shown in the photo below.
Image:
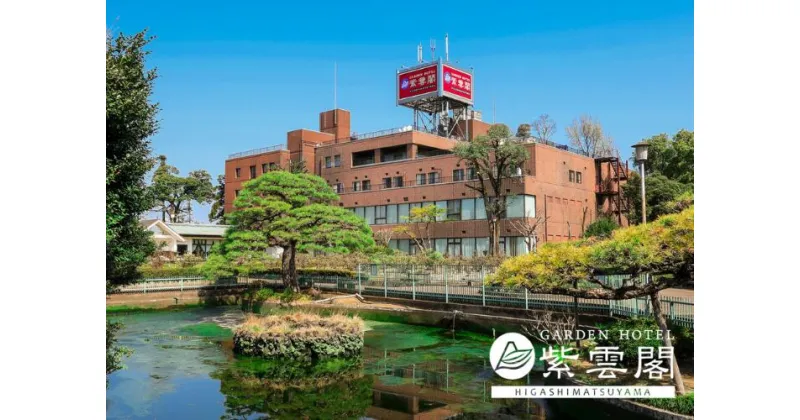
(183, 366)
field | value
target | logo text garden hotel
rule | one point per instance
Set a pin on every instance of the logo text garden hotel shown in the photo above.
(383, 174)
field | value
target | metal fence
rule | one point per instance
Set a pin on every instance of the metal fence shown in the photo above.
(442, 283)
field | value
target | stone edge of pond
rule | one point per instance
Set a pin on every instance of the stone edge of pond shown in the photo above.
(638, 408)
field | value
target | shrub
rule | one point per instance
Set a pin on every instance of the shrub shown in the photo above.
(300, 336)
(681, 404)
(682, 338)
(601, 227)
(169, 270)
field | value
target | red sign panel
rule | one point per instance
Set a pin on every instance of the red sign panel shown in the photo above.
(417, 82)
(457, 82)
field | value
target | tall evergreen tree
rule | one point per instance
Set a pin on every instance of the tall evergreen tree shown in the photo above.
(217, 213)
(130, 122)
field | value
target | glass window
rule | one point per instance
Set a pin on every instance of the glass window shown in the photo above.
(453, 247)
(578, 177)
(273, 166)
(391, 214)
(387, 182)
(503, 248)
(370, 213)
(443, 206)
(404, 245)
(480, 209)
(398, 181)
(454, 210)
(467, 208)
(356, 186)
(238, 172)
(468, 247)
(433, 177)
(236, 193)
(337, 161)
(380, 215)
(360, 212)
(366, 185)
(340, 188)
(458, 174)
(263, 168)
(530, 206)
(393, 243)
(481, 247)
(327, 161)
(471, 174)
(402, 213)
(522, 247)
(420, 179)
(571, 176)
(440, 245)
(515, 206)
(252, 171)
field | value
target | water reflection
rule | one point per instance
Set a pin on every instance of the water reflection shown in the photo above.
(183, 367)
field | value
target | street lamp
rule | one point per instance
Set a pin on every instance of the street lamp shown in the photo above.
(640, 152)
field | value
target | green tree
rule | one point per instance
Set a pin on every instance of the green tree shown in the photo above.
(602, 227)
(130, 122)
(494, 157)
(173, 194)
(663, 249)
(293, 212)
(524, 131)
(672, 157)
(418, 226)
(661, 193)
(217, 213)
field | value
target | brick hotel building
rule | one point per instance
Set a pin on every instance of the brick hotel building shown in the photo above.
(382, 175)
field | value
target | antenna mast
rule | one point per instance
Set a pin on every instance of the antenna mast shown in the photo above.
(433, 49)
(446, 49)
(334, 85)
(419, 53)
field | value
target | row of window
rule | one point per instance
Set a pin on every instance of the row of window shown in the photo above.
(460, 209)
(337, 161)
(265, 167)
(465, 247)
(575, 177)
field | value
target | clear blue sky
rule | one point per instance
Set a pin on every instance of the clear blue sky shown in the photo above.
(238, 76)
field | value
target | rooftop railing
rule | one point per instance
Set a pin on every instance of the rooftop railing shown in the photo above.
(254, 152)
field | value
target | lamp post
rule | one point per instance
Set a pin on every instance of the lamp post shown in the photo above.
(640, 152)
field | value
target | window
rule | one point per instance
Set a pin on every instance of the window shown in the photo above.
(433, 177)
(391, 214)
(571, 176)
(380, 215)
(442, 206)
(578, 177)
(515, 206)
(356, 186)
(398, 181)
(370, 213)
(182, 249)
(360, 212)
(454, 210)
(467, 208)
(327, 161)
(236, 193)
(337, 161)
(420, 179)
(365, 185)
(454, 247)
(238, 172)
(273, 166)
(252, 171)
(402, 212)
(263, 168)
(458, 174)
(387, 182)
(339, 188)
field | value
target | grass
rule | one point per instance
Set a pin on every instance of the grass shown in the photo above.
(301, 325)
(681, 404)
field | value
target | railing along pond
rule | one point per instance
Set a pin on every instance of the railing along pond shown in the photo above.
(441, 283)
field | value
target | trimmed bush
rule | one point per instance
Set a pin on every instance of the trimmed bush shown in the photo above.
(300, 336)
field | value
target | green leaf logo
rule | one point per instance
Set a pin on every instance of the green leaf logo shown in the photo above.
(513, 358)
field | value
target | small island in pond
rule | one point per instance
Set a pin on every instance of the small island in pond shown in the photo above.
(300, 336)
